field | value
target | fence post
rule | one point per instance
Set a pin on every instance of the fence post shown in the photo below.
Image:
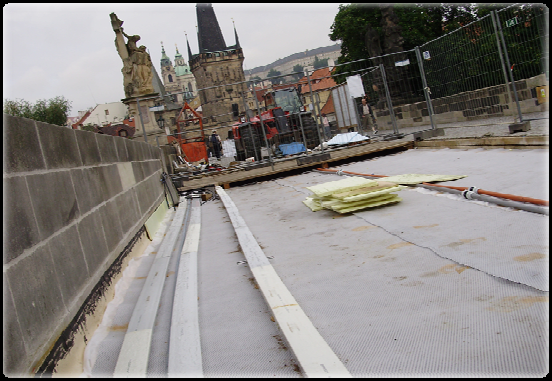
(302, 129)
(426, 89)
(389, 103)
(359, 121)
(250, 130)
(262, 124)
(315, 119)
(509, 68)
(493, 15)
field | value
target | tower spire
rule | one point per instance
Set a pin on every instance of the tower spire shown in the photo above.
(165, 61)
(236, 35)
(189, 50)
(209, 33)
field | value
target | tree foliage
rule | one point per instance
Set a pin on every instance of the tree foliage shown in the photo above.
(54, 110)
(274, 73)
(420, 24)
(298, 69)
(319, 63)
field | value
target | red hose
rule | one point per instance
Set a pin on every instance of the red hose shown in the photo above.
(479, 191)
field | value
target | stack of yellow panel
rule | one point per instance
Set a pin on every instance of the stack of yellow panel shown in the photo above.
(352, 194)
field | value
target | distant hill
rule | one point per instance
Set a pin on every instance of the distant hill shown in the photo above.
(294, 57)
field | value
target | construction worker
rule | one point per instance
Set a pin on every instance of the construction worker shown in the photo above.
(368, 118)
(326, 124)
(215, 144)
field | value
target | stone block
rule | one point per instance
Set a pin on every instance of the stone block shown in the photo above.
(110, 181)
(120, 144)
(14, 357)
(153, 166)
(87, 187)
(111, 225)
(22, 151)
(94, 245)
(20, 228)
(88, 147)
(519, 127)
(135, 150)
(147, 192)
(138, 170)
(127, 207)
(71, 268)
(421, 135)
(59, 146)
(126, 175)
(54, 200)
(37, 297)
(107, 148)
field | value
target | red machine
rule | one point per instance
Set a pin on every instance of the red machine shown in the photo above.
(191, 141)
(285, 123)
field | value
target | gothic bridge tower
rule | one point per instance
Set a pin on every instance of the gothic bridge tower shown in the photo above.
(217, 64)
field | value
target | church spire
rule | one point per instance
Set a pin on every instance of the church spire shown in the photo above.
(209, 33)
(189, 50)
(165, 60)
(236, 35)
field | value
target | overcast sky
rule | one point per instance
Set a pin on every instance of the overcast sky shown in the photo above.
(68, 50)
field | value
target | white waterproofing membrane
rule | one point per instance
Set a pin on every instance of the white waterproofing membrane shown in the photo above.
(435, 285)
(346, 138)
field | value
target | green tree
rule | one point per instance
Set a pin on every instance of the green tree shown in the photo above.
(54, 110)
(319, 63)
(419, 24)
(299, 70)
(256, 79)
(274, 73)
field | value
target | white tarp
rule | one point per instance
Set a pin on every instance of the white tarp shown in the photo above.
(349, 137)
(355, 86)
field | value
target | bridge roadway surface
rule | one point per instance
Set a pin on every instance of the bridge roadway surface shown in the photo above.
(435, 285)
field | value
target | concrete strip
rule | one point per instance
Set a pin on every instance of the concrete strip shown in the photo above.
(499, 141)
(131, 357)
(312, 352)
(184, 343)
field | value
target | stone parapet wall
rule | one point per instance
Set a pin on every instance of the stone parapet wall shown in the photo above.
(73, 200)
(472, 105)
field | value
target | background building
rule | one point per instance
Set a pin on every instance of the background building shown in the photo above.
(216, 68)
(177, 78)
(305, 59)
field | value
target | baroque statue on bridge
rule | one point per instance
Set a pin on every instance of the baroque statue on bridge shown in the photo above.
(137, 66)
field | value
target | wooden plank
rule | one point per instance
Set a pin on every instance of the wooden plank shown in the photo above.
(226, 177)
(184, 343)
(313, 354)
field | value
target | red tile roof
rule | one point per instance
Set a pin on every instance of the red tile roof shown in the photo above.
(320, 80)
(81, 121)
(328, 107)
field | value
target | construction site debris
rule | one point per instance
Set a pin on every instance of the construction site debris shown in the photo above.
(349, 137)
(352, 194)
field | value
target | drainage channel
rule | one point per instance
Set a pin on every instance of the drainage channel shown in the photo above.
(163, 337)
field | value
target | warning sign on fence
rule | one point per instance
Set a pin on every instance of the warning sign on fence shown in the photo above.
(512, 22)
(426, 55)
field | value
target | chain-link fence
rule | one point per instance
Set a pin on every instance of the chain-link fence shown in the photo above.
(494, 66)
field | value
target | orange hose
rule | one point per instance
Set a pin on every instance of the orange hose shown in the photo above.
(506, 196)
